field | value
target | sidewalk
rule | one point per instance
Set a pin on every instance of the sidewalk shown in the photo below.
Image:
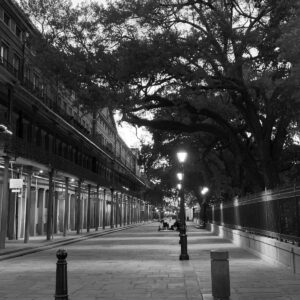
(15, 248)
(141, 263)
(251, 278)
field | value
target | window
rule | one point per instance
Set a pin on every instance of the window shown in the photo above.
(6, 19)
(29, 133)
(65, 151)
(4, 53)
(38, 137)
(16, 64)
(36, 80)
(27, 72)
(43, 92)
(47, 142)
(18, 32)
(13, 26)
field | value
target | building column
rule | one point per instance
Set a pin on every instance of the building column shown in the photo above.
(40, 205)
(55, 211)
(88, 221)
(73, 211)
(104, 209)
(11, 215)
(136, 210)
(131, 209)
(139, 210)
(67, 205)
(97, 209)
(78, 207)
(28, 205)
(83, 210)
(145, 212)
(141, 216)
(125, 212)
(116, 209)
(121, 209)
(128, 210)
(50, 206)
(112, 208)
(4, 204)
(33, 209)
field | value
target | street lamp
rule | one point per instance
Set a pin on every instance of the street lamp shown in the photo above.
(182, 155)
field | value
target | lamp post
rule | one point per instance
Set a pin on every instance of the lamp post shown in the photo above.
(204, 191)
(182, 155)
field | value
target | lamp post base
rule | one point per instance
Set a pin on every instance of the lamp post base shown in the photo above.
(183, 243)
(184, 257)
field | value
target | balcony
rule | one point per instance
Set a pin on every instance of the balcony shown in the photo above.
(10, 68)
(44, 98)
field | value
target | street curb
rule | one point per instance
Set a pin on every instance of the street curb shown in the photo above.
(53, 244)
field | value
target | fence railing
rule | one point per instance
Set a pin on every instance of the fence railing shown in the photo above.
(274, 214)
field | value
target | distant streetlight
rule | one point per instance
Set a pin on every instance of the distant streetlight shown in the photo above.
(204, 190)
(180, 176)
(182, 156)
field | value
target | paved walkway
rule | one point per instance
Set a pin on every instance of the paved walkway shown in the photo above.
(141, 263)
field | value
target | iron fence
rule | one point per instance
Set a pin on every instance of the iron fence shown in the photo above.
(272, 214)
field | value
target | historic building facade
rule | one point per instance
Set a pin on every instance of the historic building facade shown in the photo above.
(60, 169)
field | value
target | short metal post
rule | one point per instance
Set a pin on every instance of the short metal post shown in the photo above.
(61, 291)
(220, 275)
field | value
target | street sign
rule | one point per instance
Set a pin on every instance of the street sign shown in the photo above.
(16, 190)
(15, 183)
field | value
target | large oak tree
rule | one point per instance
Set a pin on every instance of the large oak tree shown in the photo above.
(213, 67)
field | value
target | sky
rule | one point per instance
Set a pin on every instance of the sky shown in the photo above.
(133, 137)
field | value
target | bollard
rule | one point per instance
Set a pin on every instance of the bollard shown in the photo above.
(220, 280)
(61, 291)
(183, 243)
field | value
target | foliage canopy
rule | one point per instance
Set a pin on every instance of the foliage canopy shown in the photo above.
(218, 76)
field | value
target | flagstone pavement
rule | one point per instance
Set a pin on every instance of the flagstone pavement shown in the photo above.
(138, 262)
